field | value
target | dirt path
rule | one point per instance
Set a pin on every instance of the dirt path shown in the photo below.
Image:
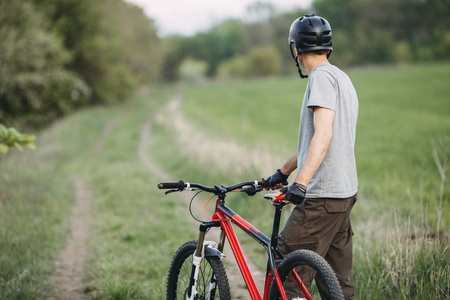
(70, 264)
(227, 155)
(239, 291)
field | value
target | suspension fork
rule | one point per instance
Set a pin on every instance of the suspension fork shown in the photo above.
(197, 259)
(221, 241)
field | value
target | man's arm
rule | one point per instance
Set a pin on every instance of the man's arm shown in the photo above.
(290, 165)
(323, 133)
(277, 178)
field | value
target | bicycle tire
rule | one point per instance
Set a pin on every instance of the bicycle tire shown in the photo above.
(309, 266)
(180, 275)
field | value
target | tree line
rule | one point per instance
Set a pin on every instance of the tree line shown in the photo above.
(59, 55)
(364, 32)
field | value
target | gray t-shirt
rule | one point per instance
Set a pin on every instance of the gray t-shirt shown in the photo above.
(331, 88)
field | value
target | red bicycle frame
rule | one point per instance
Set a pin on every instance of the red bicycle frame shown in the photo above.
(225, 216)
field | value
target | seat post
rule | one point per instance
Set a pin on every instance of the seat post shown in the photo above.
(276, 225)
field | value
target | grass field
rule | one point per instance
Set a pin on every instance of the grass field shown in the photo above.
(402, 114)
(399, 252)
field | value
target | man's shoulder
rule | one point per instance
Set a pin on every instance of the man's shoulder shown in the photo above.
(332, 73)
(329, 69)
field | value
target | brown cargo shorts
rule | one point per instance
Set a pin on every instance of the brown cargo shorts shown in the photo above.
(323, 226)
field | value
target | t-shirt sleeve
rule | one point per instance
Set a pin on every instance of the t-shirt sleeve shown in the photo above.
(322, 91)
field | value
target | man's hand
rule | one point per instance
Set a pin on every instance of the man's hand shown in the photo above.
(295, 193)
(276, 181)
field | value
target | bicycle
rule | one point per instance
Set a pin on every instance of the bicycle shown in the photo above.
(197, 271)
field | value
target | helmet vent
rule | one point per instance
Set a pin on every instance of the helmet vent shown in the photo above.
(309, 23)
(323, 22)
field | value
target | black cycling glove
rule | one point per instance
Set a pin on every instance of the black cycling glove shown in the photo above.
(295, 193)
(276, 178)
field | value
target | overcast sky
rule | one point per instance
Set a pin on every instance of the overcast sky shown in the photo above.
(189, 16)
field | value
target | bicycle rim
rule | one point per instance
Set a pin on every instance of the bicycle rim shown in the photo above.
(212, 282)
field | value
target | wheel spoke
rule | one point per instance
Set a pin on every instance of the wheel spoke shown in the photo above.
(210, 268)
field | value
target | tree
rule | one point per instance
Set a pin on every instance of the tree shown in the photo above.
(33, 81)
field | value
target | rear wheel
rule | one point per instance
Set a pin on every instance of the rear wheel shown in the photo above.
(212, 280)
(307, 268)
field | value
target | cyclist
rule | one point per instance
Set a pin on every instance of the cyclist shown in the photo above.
(325, 186)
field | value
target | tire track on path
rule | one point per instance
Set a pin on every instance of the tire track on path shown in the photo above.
(67, 278)
(238, 288)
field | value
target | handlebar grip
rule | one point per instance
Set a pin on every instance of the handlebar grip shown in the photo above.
(171, 185)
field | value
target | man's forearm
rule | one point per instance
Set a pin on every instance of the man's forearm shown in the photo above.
(290, 165)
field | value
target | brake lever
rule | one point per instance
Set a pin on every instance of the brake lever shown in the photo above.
(171, 191)
(251, 191)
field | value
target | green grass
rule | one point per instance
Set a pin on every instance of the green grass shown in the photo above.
(403, 110)
(35, 200)
(132, 237)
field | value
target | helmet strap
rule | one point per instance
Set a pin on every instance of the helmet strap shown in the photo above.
(296, 63)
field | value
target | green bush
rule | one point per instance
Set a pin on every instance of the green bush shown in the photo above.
(264, 61)
(56, 56)
(234, 67)
(260, 62)
(33, 81)
(193, 70)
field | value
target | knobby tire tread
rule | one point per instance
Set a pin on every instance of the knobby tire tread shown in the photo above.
(315, 261)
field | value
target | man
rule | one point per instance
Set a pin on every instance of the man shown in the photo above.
(324, 189)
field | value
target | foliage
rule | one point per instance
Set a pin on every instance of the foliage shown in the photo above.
(111, 42)
(192, 70)
(236, 67)
(57, 56)
(364, 32)
(230, 42)
(10, 137)
(260, 62)
(374, 31)
(33, 79)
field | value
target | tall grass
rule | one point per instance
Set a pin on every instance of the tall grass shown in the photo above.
(405, 264)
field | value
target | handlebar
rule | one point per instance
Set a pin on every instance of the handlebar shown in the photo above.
(171, 185)
(181, 186)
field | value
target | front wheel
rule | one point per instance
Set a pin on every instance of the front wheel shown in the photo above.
(306, 275)
(212, 280)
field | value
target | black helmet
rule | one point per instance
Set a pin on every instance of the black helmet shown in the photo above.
(310, 33)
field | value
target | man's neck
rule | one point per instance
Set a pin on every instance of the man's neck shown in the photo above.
(311, 61)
